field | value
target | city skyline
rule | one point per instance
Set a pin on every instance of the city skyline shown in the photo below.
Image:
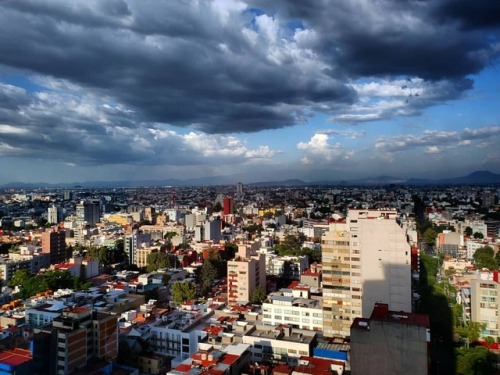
(317, 90)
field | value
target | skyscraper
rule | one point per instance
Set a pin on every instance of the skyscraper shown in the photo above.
(366, 259)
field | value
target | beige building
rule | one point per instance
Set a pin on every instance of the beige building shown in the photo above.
(245, 273)
(484, 292)
(366, 259)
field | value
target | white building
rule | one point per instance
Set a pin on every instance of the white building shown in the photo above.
(293, 307)
(279, 343)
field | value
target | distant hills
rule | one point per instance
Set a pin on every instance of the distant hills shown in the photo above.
(475, 178)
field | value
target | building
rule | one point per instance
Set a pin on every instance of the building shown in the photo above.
(177, 334)
(228, 205)
(134, 241)
(484, 302)
(366, 259)
(245, 273)
(72, 339)
(390, 342)
(54, 214)
(293, 307)
(230, 361)
(279, 344)
(54, 243)
(88, 212)
(16, 362)
(287, 267)
(209, 230)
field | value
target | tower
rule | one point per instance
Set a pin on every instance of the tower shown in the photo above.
(366, 259)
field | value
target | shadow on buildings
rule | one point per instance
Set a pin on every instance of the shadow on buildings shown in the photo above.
(441, 320)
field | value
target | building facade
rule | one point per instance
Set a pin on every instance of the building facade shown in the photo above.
(366, 259)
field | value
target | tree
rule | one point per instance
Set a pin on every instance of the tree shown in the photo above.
(471, 332)
(217, 207)
(258, 295)
(207, 276)
(484, 258)
(430, 236)
(183, 291)
(473, 361)
(468, 231)
(19, 278)
(157, 260)
(478, 235)
(231, 250)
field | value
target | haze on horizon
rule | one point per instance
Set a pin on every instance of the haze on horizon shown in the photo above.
(263, 90)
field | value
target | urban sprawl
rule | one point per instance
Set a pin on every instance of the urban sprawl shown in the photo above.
(249, 279)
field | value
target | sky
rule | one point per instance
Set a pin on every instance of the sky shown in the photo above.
(256, 90)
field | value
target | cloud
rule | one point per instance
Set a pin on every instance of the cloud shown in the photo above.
(320, 151)
(434, 140)
(244, 66)
(85, 130)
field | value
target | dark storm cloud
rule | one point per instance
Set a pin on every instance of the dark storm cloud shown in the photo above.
(394, 37)
(220, 67)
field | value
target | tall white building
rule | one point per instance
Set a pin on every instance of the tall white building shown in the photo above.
(366, 259)
(54, 214)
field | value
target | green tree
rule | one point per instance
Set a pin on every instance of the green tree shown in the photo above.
(484, 258)
(183, 291)
(468, 231)
(470, 332)
(430, 236)
(478, 235)
(231, 250)
(217, 207)
(258, 295)
(19, 278)
(157, 260)
(474, 361)
(207, 276)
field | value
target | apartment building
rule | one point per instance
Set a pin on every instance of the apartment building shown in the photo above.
(484, 302)
(54, 243)
(245, 273)
(366, 259)
(178, 334)
(279, 344)
(293, 307)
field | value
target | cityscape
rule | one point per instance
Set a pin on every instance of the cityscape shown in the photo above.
(257, 187)
(249, 279)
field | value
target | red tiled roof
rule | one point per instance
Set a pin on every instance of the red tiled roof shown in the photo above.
(15, 357)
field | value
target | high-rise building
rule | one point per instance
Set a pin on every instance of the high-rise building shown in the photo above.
(88, 212)
(54, 243)
(366, 259)
(228, 205)
(54, 214)
(245, 273)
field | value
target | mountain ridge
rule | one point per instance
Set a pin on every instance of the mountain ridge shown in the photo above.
(475, 178)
